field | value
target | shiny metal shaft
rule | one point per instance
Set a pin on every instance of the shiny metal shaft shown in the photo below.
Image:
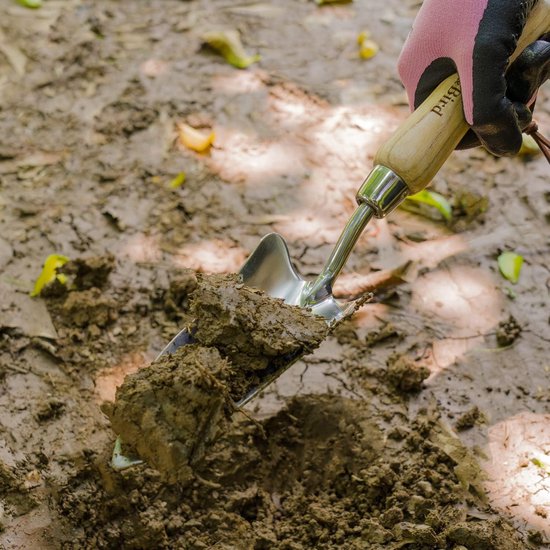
(380, 193)
(322, 286)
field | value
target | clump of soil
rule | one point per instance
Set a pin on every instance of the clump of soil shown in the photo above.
(15, 496)
(468, 207)
(170, 411)
(95, 178)
(469, 419)
(176, 298)
(322, 473)
(248, 327)
(89, 272)
(89, 307)
(508, 332)
(405, 374)
(49, 409)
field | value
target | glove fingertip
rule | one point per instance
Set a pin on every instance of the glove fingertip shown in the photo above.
(502, 146)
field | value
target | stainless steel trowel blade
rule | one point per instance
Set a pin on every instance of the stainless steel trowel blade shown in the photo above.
(269, 268)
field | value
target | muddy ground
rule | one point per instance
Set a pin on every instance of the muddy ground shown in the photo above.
(353, 447)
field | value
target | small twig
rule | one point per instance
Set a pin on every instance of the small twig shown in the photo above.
(208, 483)
(20, 370)
(253, 420)
(349, 288)
(544, 143)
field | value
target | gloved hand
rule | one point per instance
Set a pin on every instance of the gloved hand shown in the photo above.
(476, 39)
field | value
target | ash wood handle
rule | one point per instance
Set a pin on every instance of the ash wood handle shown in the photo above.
(430, 134)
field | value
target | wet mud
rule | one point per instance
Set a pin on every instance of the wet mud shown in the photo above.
(172, 410)
(250, 328)
(325, 471)
(420, 423)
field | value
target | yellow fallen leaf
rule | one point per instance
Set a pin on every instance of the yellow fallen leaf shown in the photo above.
(228, 44)
(363, 35)
(367, 48)
(177, 181)
(195, 139)
(529, 147)
(49, 273)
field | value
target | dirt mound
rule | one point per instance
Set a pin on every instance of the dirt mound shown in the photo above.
(170, 411)
(324, 472)
(92, 168)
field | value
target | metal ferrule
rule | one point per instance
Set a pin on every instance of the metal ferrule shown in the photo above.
(383, 190)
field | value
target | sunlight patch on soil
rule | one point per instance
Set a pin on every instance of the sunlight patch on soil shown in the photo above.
(303, 225)
(448, 350)
(242, 158)
(292, 110)
(431, 253)
(467, 300)
(211, 256)
(348, 128)
(291, 107)
(341, 137)
(519, 482)
(108, 380)
(141, 248)
(153, 67)
(463, 296)
(240, 82)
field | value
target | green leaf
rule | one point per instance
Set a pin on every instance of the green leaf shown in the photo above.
(177, 181)
(228, 44)
(121, 462)
(510, 264)
(49, 273)
(435, 200)
(33, 4)
(542, 464)
(529, 147)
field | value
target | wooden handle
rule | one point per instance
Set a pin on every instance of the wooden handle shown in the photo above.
(430, 134)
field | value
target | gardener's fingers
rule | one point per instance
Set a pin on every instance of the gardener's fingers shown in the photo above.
(529, 72)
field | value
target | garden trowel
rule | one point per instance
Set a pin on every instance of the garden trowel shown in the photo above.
(404, 165)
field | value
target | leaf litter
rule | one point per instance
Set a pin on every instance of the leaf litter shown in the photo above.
(228, 44)
(510, 264)
(199, 141)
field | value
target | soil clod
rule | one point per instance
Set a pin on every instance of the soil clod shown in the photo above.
(90, 272)
(469, 419)
(170, 411)
(508, 332)
(405, 374)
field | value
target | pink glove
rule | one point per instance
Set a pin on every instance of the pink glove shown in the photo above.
(476, 39)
